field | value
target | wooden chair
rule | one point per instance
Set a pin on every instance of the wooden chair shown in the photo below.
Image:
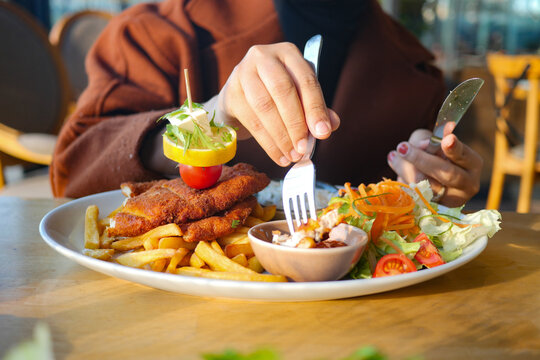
(522, 160)
(73, 36)
(34, 91)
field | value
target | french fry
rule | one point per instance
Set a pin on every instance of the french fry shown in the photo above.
(218, 262)
(242, 229)
(269, 212)
(141, 258)
(159, 265)
(151, 237)
(91, 232)
(128, 243)
(163, 249)
(234, 249)
(151, 243)
(229, 239)
(240, 259)
(244, 240)
(196, 261)
(206, 273)
(163, 231)
(252, 221)
(214, 244)
(185, 260)
(101, 254)
(255, 265)
(258, 211)
(175, 242)
(105, 241)
(175, 260)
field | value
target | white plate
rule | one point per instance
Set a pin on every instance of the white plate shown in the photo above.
(63, 229)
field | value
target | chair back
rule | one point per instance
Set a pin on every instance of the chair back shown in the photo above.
(74, 35)
(505, 67)
(33, 82)
(518, 77)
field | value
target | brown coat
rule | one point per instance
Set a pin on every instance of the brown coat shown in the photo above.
(386, 90)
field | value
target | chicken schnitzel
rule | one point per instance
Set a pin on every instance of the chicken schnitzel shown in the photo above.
(160, 202)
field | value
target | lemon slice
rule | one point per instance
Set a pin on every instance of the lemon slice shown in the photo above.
(201, 157)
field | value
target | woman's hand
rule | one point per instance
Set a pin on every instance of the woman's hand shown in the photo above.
(455, 168)
(273, 95)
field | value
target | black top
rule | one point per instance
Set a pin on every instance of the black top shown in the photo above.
(335, 20)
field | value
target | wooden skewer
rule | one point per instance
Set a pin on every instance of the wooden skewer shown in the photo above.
(188, 90)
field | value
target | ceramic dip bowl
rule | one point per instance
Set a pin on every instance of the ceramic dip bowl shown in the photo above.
(313, 264)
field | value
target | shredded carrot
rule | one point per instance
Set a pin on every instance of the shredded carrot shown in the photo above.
(386, 201)
(390, 204)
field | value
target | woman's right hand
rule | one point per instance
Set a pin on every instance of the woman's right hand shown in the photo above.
(273, 95)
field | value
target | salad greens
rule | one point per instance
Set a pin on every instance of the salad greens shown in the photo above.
(448, 229)
(196, 139)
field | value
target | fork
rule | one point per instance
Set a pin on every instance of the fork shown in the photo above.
(299, 183)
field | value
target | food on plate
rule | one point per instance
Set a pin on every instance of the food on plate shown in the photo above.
(393, 264)
(406, 231)
(405, 227)
(308, 264)
(325, 232)
(208, 239)
(91, 233)
(171, 201)
(198, 144)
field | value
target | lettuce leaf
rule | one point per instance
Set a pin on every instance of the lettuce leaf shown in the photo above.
(409, 248)
(483, 223)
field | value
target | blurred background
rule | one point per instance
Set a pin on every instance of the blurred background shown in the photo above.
(461, 34)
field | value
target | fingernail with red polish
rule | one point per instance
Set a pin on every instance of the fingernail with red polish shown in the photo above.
(403, 148)
(391, 156)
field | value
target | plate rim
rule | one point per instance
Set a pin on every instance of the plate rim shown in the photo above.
(215, 288)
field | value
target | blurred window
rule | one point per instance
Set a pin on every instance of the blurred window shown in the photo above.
(59, 8)
(461, 32)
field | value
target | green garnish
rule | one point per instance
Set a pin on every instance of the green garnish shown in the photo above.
(226, 137)
(235, 223)
(198, 139)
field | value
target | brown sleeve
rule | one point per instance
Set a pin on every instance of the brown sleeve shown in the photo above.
(133, 71)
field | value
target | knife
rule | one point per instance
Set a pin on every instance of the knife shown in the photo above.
(453, 108)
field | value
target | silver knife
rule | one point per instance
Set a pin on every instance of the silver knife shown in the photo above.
(312, 52)
(453, 108)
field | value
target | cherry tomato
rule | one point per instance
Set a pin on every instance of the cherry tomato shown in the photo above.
(427, 255)
(393, 264)
(200, 177)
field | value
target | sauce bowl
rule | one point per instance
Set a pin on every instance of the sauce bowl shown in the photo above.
(298, 264)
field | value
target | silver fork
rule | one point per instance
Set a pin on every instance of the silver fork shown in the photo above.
(299, 183)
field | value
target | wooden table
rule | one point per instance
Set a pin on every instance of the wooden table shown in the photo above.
(487, 309)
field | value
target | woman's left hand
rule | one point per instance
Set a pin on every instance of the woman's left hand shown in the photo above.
(453, 171)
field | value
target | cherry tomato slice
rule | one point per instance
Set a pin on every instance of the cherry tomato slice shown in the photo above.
(393, 264)
(200, 177)
(427, 255)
